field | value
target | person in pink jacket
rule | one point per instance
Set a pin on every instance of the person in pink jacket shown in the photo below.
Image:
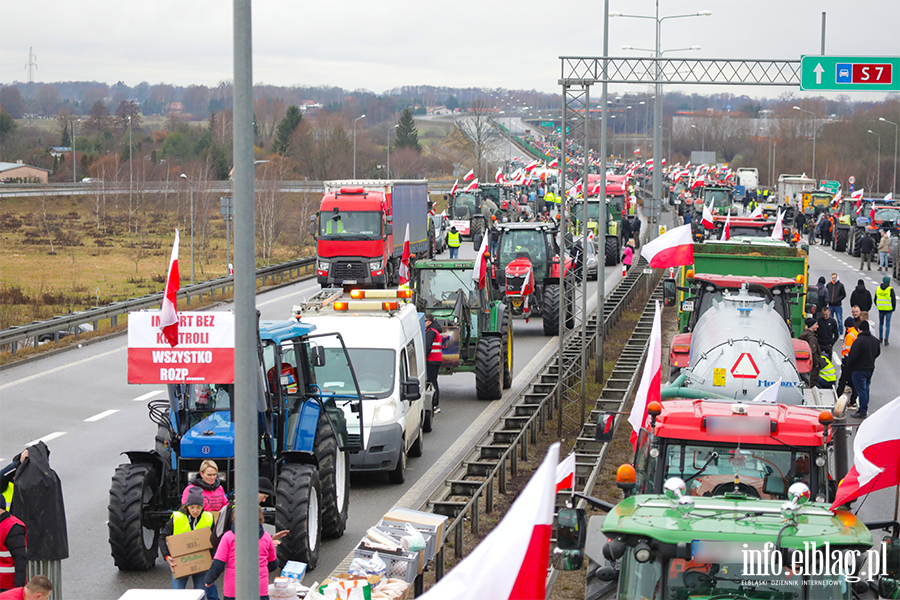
(224, 560)
(208, 481)
(628, 253)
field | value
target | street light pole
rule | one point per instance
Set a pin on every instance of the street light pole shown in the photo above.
(74, 164)
(185, 177)
(354, 144)
(390, 131)
(813, 137)
(896, 132)
(130, 172)
(878, 171)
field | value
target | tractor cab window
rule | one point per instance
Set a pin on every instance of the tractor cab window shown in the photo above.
(764, 231)
(438, 287)
(464, 206)
(528, 243)
(290, 378)
(202, 399)
(887, 214)
(640, 581)
(722, 198)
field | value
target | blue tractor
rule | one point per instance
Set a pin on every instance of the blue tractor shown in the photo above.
(310, 418)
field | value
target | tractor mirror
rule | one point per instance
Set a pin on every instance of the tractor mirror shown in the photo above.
(412, 390)
(318, 356)
(571, 534)
(669, 289)
(312, 225)
(888, 588)
(812, 299)
(605, 427)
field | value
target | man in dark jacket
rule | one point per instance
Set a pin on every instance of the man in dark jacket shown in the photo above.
(866, 249)
(836, 295)
(827, 333)
(822, 302)
(862, 298)
(861, 362)
(809, 336)
(800, 221)
(626, 231)
(433, 357)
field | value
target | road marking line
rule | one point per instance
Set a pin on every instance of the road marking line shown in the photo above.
(60, 368)
(148, 395)
(102, 415)
(46, 438)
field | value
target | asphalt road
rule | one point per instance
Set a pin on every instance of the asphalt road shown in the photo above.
(81, 405)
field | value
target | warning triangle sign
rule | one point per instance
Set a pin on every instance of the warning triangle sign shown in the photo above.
(745, 367)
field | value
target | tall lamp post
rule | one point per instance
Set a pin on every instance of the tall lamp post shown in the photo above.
(657, 103)
(390, 131)
(130, 170)
(354, 143)
(185, 177)
(878, 172)
(813, 137)
(74, 159)
(896, 131)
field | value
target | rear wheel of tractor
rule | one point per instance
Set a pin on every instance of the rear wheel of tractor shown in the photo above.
(840, 239)
(476, 228)
(856, 238)
(489, 368)
(334, 480)
(398, 475)
(132, 540)
(506, 341)
(612, 251)
(297, 505)
(550, 309)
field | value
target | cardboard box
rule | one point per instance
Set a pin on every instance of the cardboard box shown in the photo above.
(189, 542)
(190, 564)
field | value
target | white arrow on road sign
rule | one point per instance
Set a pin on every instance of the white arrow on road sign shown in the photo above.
(818, 71)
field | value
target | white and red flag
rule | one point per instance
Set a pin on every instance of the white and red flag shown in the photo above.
(699, 182)
(480, 268)
(499, 178)
(554, 163)
(872, 214)
(876, 456)
(470, 175)
(511, 562)
(531, 166)
(837, 197)
(649, 389)
(778, 231)
(707, 220)
(168, 322)
(674, 248)
(757, 212)
(889, 197)
(726, 231)
(472, 186)
(455, 187)
(565, 473)
(404, 259)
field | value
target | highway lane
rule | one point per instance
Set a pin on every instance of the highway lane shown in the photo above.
(56, 395)
(822, 262)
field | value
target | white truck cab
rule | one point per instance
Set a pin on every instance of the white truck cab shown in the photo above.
(384, 339)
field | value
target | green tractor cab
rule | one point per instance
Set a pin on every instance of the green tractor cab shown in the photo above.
(614, 240)
(476, 325)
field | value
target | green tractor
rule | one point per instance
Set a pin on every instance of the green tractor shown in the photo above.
(470, 214)
(477, 327)
(614, 240)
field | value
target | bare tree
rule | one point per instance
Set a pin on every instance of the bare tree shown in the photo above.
(269, 202)
(478, 128)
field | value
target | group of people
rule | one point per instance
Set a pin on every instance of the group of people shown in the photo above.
(859, 348)
(867, 248)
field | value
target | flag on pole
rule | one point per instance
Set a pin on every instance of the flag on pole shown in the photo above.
(531, 166)
(472, 186)
(499, 176)
(565, 473)
(778, 231)
(479, 269)
(837, 197)
(649, 389)
(770, 394)
(404, 259)
(726, 231)
(674, 248)
(707, 220)
(889, 197)
(511, 562)
(554, 163)
(757, 212)
(455, 187)
(168, 318)
(469, 176)
(876, 456)
(872, 215)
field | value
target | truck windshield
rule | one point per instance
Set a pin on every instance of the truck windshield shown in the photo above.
(528, 243)
(374, 369)
(350, 224)
(765, 473)
(757, 232)
(593, 210)
(438, 287)
(821, 200)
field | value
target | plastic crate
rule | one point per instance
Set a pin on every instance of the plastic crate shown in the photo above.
(397, 530)
(402, 565)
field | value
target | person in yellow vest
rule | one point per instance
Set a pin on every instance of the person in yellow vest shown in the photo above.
(189, 517)
(453, 242)
(827, 374)
(886, 303)
(334, 225)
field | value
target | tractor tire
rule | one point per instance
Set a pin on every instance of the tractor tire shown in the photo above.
(856, 238)
(550, 309)
(489, 368)
(841, 236)
(398, 475)
(612, 252)
(476, 230)
(297, 503)
(476, 241)
(132, 542)
(506, 342)
(334, 480)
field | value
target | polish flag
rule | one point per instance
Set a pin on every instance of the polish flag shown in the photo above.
(699, 182)
(531, 166)
(404, 259)
(889, 197)
(499, 178)
(511, 562)
(480, 268)
(778, 231)
(837, 197)
(649, 162)
(858, 194)
(472, 186)
(565, 473)
(757, 213)
(649, 389)
(674, 248)
(707, 220)
(872, 215)
(470, 175)
(168, 318)
(554, 163)
(876, 456)
(455, 187)
(726, 231)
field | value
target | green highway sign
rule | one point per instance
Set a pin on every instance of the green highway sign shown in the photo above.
(850, 73)
(831, 186)
(546, 123)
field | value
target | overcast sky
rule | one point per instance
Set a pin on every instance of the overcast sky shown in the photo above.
(380, 45)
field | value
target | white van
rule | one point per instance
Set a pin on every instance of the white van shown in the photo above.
(386, 346)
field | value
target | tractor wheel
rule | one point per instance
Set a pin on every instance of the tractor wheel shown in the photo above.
(550, 309)
(489, 368)
(506, 341)
(132, 540)
(612, 251)
(398, 475)
(856, 238)
(334, 479)
(297, 502)
(476, 229)
(840, 239)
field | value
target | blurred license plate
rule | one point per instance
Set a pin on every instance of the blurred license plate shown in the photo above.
(687, 306)
(349, 281)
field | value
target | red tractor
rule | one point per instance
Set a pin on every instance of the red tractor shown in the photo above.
(526, 266)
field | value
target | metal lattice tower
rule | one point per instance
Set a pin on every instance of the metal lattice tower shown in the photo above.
(30, 66)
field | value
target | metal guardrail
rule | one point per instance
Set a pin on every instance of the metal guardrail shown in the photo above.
(13, 335)
(522, 144)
